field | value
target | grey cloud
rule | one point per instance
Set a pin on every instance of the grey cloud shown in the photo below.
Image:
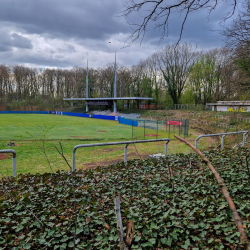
(63, 18)
(35, 60)
(8, 41)
(67, 48)
(83, 29)
(20, 41)
(4, 48)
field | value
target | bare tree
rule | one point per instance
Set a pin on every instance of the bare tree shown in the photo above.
(107, 80)
(160, 11)
(6, 87)
(139, 80)
(238, 33)
(207, 76)
(80, 80)
(238, 41)
(175, 63)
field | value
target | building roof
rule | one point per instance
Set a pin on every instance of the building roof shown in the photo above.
(107, 99)
(229, 103)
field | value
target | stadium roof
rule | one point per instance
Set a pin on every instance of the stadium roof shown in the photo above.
(108, 99)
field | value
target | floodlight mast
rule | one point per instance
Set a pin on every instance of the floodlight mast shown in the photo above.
(115, 101)
(87, 88)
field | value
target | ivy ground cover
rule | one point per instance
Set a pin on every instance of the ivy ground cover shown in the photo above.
(175, 203)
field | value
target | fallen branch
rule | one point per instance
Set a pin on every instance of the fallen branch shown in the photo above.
(243, 237)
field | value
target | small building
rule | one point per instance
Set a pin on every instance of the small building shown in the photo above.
(149, 106)
(230, 106)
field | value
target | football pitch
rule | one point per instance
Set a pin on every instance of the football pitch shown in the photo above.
(37, 139)
(33, 126)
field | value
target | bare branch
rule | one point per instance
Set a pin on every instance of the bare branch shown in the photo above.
(226, 194)
(159, 12)
(62, 154)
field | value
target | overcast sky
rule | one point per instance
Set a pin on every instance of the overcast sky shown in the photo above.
(64, 33)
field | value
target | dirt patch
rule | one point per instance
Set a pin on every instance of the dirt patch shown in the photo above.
(199, 131)
(102, 131)
(73, 136)
(203, 131)
(130, 155)
(152, 135)
(14, 145)
(4, 156)
(109, 150)
(101, 163)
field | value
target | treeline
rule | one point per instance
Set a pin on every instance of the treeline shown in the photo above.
(175, 74)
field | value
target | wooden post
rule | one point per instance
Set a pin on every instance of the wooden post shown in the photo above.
(122, 243)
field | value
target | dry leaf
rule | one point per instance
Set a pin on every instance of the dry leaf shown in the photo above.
(130, 232)
(87, 219)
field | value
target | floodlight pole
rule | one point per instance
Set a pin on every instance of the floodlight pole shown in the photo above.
(87, 88)
(115, 101)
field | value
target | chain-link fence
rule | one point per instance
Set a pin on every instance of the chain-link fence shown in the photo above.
(169, 125)
(177, 126)
(128, 129)
(194, 107)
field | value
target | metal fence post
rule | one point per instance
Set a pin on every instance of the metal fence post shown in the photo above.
(222, 141)
(169, 130)
(125, 152)
(74, 160)
(14, 165)
(166, 148)
(156, 129)
(244, 139)
(132, 129)
(179, 128)
(13, 152)
(186, 127)
(144, 129)
(196, 143)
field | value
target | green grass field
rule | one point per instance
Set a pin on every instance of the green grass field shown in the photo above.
(32, 126)
(31, 142)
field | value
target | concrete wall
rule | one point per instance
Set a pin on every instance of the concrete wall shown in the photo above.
(234, 108)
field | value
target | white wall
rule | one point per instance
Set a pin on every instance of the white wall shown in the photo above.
(234, 108)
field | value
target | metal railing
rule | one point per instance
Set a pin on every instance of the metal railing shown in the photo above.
(13, 152)
(223, 136)
(116, 143)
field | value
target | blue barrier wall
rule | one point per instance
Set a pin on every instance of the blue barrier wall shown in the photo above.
(74, 114)
(105, 117)
(125, 121)
(24, 112)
